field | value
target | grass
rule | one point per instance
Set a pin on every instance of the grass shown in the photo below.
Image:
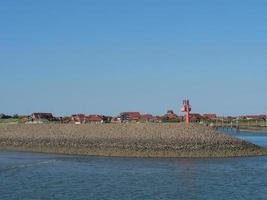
(8, 121)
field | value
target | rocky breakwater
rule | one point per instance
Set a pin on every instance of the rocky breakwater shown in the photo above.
(135, 140)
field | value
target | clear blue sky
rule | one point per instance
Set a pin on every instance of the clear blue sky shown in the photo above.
(108, 56)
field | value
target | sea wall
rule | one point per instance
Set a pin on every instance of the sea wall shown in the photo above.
(137, 140)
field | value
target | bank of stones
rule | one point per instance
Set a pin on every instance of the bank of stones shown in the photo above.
(140, 140)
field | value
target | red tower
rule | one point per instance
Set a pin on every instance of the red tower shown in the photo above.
(186, 108)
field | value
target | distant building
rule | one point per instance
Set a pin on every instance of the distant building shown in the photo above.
(171, 115)
(83, 119)
(209, 116)
(97, 119)
(146, 118)
(130, 116)
(158, 119)
(42, 116)
(230, 118)
(67, 120)
(78, 118)
(248, 117)
(195, 117)
(116, 119)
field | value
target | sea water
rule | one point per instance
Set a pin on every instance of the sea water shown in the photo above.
(48, 176)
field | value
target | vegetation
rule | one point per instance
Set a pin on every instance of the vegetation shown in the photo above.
(16, 116)
(10, 120)
(166, 120)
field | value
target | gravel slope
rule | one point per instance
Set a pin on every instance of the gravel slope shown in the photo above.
(138, 140)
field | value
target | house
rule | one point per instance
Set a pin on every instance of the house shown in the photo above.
(171, 115)
(97, 119)
(67, 120)
(230, 118)
(130, 116)
(209, 116)
(42, 116)
(146, 118)
(195, 117)
(256, 117)
(116, 119)
(78, 118)
(158, 119)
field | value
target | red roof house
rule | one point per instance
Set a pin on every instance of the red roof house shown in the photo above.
(78, 118)
(146, 118)
(130, 116)
(171, 115)
(253, 117)
(158, 119)
(210, 116)
(94, 119)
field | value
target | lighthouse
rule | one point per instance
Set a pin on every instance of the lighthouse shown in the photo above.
(186, 108)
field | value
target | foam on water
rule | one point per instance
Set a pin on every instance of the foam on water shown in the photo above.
(23, 166)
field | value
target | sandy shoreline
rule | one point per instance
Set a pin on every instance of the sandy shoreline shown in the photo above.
(130, 140)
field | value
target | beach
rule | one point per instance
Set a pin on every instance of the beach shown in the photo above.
(127, 140)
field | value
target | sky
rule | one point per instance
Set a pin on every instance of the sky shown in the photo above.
(109, 56)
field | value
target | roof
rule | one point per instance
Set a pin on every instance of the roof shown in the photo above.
(171, 115)
(254, 116)
(210, 115)
(132, 115)
(78, 117)
(158, 119)
(94, 118)
(195, 115)
(42, 115)
(146, 117)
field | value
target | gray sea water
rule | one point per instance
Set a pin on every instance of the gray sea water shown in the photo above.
(47, 176)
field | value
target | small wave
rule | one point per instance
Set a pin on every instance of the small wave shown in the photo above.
(28, 165)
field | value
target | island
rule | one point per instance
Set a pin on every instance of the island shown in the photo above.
(125, 139)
